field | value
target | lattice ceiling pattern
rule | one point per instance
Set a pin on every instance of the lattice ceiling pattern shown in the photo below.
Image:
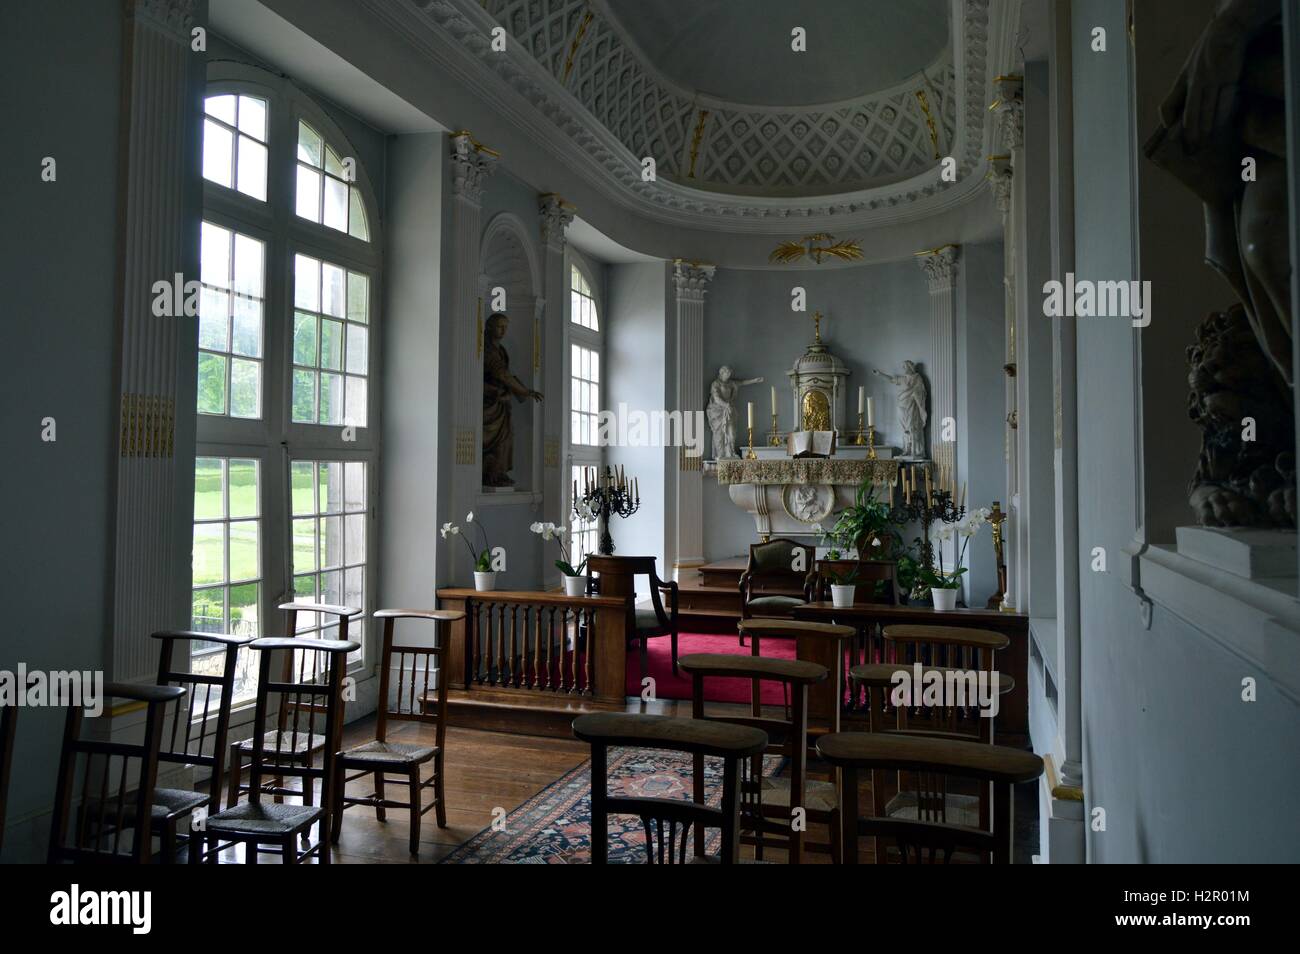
(880, 137)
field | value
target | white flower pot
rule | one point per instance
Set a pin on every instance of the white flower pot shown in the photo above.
(944, 599)
(483, 582)
(842, 596)
(575, 586)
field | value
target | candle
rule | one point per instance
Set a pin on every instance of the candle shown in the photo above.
(963, 493)
(929, 490)
(871, 412)
(750, 407)
(774, 401)
(907, 488)
(862, 399)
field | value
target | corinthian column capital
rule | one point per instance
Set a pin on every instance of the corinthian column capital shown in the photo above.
(471, 164)
(556, 215)
(691, 279)
(940, 266)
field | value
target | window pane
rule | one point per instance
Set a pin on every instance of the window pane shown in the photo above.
(251, 168)
(331, 541)
(304, 396)
(355, 411)
(331, 399)
(214, 319)
(244, 610)
(246, 336)
(332, 290)
(214, 254)
(357, 226)
(304, 490)
(243, 488)
(209, 489)
(336, 204)
(354, 526)
(306, 283)
(245, 388)
(209, 555)
(595, 366)
(218, 153)
(331, 591)
(354, 585)
(248, 266)
(212, 384)
(308, 144)
(358, 296)
(330, 498)
(307, 201)
(332, 163)
(355, 478)
(207, 610)
(304, 591)
(252, 117)
(304, 338)
(331, 344)
(222, 107)
(243, 550)
(304, 543)
(358, 339)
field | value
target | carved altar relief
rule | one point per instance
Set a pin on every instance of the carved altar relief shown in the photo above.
(809, 503)
(816, 415)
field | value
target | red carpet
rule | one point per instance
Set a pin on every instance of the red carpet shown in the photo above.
(668, 686)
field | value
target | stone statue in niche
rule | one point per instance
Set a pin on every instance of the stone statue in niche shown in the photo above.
(1223, 135)
(721, 412)
(499, 387)
(913, 409)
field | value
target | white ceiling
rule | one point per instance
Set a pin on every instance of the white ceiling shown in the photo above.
(586, 239)
(740, 50)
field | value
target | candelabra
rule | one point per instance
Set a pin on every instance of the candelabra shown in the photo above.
(860, 438)
(775, 439)
(925, 508)
(610, 494)
(751, 455)
(871, 442)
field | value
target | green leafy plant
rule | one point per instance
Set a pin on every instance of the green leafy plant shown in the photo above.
(482, 558)
(847, 577)
(550, 531)
(868, 525)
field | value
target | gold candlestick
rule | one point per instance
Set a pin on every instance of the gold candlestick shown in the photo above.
(871, 442)
(751, 455)
(860, 439)
(775, 439)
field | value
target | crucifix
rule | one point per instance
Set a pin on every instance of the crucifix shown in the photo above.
(996, 519)
(817, 327)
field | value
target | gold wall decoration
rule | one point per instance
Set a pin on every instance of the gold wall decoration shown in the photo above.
(551, 453)
(577, 42)
(847, 250)
(465, 453)
(148, 426)
(695, 141)
(687, 462)
(924, 103)
(816, 411)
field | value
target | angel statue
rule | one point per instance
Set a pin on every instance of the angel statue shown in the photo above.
(912, 411)
(721, 412)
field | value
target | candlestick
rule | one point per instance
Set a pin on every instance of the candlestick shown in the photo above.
(751, 455)
(860, 438)
(871, 441)
(775, 438)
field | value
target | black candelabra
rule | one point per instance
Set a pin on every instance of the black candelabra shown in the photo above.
(606, 492)
(926, 507)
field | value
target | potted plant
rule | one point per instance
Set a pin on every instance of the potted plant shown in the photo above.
(485, 578)
(575, 583)
(945, 584)
(843, 585)
(868, 525)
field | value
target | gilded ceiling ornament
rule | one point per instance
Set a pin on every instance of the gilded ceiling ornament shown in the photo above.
(847, 250)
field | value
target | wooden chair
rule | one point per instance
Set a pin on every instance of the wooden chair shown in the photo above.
(255, 823)
(668, 821)
(411, 701)
(204, 749)
(928, 763)
(8, 723)
(617, 577)
(824, 643)
(767, 803)
(117, 784)
(770, 585)
(305, 747)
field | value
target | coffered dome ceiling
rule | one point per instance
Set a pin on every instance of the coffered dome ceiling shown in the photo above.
(712, 91)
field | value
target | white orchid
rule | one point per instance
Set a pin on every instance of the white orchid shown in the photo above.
(945, 532)
(448, 530)
(549, 531)
(816, 528)
(469, 517)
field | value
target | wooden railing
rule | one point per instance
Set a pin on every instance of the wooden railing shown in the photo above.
(536, 645)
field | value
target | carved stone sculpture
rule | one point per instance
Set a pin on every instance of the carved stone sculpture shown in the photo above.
(913, 409)
(721, 412)
(499, 387)
(1223, 135)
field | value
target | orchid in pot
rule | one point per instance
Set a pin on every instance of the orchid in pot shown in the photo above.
(945, 583)
(485, 578)
(575, 583)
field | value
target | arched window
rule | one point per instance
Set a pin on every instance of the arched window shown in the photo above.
(290, 264)
(582, 332)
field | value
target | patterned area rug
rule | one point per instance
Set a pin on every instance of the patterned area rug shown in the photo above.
(554, 826)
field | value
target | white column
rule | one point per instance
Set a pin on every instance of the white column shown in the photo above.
(690, 283)
(158, 239)
(471, 164)
(940, 267)
(555, 217)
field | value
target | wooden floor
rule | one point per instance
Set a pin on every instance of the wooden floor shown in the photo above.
(498, 770)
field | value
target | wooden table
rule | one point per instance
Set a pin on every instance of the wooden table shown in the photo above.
(1013, 717)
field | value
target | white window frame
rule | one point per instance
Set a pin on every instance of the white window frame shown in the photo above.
(580, 455)
(274, 439)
